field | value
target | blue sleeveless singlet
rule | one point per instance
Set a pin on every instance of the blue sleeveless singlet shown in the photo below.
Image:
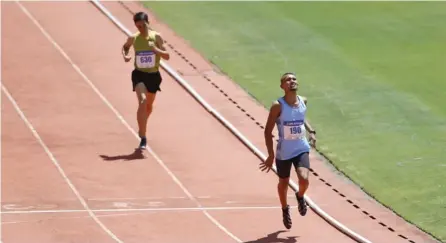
(292, 132)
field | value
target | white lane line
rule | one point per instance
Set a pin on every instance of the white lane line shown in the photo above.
(56, 163)
(111, 210)
(137, 198)
(328, 218)
(124, 122)
(69, 217)
(48, 152)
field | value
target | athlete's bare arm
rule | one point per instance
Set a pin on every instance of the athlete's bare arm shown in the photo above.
(309, 128)
(274, 113)
(126, 47)
(160, 48)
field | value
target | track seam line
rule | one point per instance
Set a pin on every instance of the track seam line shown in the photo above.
(224, 93)
(333, 222)
(56, 163)
(179, 209)
(157, 158)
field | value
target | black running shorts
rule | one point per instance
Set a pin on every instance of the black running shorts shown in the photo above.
(284, 166)
(152, 81)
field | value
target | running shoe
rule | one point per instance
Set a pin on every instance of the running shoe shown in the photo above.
(286, 217)
(143, 143)
(301, 205)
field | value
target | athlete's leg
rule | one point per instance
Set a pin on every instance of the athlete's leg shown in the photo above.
(302, 175)
(150, 100)
(284, 170)
(141, 114)
(153, 86)
(302, 165)
(282, 189)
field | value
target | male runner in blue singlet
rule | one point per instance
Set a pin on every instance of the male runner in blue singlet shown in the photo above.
(293, 148)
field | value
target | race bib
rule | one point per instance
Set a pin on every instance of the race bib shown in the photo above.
(145, 59)
(293, 130)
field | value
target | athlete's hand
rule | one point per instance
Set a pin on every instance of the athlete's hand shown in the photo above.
(267, 164)
(153, 45)
(127, 58)
(312, 140)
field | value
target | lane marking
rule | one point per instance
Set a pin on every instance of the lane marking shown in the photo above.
(56, 163)
(13, 206)
(111, 210)
(48, 152)
(124, 122)
(70, 217)
(328, 218)
(135, 198)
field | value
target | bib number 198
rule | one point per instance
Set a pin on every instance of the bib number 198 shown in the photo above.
(295, 130)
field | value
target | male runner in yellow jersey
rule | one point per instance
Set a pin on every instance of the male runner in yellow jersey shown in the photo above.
(146, 78)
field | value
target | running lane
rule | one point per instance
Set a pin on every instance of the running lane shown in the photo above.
(206, 158)
(31, 182)
(336, 195)
(91, 146)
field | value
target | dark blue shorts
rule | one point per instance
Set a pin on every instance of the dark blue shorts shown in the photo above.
(284, 166)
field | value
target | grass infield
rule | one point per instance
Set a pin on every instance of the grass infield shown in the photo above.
(374, 74)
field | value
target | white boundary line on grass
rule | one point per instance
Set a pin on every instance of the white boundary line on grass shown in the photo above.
(123, 121)
(234, 130)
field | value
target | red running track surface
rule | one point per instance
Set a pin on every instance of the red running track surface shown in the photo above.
(70, 172)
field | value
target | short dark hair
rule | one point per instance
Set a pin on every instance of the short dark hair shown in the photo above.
(140, 16)
(285, 74)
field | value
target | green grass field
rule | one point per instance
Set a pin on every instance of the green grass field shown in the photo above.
(374, 73)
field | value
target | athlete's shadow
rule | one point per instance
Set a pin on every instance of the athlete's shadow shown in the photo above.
(137, 154)
(274, 238)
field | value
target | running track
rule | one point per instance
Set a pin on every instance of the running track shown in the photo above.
(69, 171)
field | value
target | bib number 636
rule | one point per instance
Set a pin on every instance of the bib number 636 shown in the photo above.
(145, 59)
